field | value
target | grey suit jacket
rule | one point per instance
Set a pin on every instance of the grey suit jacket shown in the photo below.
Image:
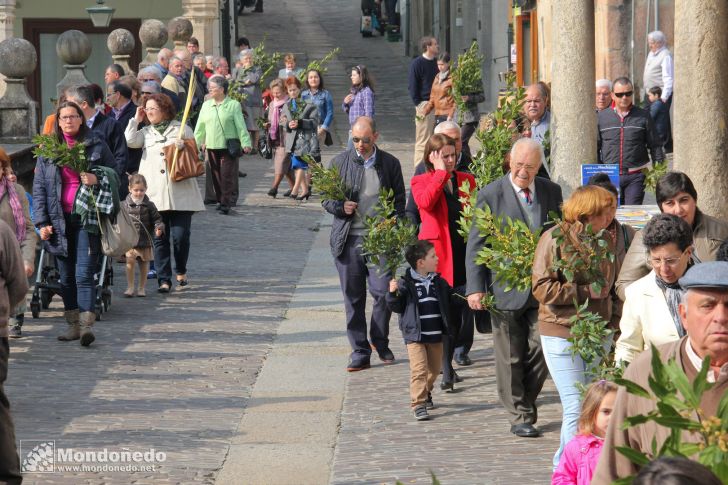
(502, 200)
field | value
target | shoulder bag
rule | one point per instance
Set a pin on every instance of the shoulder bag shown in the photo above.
(264, 148)
(188, 163)
(233, 146)
(118, 235)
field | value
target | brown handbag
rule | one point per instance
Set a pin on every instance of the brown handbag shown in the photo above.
(188, 163)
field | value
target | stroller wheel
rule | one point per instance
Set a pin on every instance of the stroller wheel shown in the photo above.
(106, 300)
(45, 298)
(35, 309)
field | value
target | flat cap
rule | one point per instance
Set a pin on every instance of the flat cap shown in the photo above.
(713, 274)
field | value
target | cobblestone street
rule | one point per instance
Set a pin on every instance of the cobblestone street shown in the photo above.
(240, 378)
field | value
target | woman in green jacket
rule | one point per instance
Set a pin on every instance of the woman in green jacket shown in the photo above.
(220, 122)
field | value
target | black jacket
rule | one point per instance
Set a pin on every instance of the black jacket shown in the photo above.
(135, 154)
(113, 134)
(626, 141)
(404, 302)
(351, 170)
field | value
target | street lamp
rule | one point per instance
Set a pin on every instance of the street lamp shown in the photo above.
(100, 15)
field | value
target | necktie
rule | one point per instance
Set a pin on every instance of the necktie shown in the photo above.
(527, 196)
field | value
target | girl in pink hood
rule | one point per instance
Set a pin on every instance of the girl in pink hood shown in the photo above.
(581, 454)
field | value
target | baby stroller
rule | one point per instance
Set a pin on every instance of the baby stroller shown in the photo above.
(47, 284)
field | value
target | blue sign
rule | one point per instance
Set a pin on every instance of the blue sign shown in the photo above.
(611, 169)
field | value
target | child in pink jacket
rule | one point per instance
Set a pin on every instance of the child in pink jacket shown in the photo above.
(581, 454)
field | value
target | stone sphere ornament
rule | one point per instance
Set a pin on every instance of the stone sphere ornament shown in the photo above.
(120, 42)
(73, 47)
(153, 33)
(180, 29)
(18, 58)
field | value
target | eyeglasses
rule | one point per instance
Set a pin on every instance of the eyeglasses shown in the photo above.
(69, 118)
(144, 80)
(151, 109)
(671, 262)
(626, 93)
(148, 92)
(108, 95)
(366, 140)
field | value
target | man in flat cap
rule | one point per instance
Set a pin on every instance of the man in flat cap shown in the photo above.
(704, 314)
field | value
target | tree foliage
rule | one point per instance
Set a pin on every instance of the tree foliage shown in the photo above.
(387, 236)
(58, 152)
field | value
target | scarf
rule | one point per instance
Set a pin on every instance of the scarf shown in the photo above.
(7, 187)
(425, 280)
(162, 126)
(673, 293)
(274, 114)
(94, 200)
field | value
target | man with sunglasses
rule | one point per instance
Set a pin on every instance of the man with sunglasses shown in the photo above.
(364, 169)
(625, 135)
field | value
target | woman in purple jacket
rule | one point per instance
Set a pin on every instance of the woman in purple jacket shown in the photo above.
(360, 100)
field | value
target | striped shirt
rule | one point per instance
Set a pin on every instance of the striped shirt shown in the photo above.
(428, 307)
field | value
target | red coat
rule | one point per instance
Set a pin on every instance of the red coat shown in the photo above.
(428, 191)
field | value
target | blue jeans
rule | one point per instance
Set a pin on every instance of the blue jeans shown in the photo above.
(566, 371)
(177, 226)
(78, 288)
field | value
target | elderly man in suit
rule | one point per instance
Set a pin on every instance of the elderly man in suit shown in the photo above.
(519, 363)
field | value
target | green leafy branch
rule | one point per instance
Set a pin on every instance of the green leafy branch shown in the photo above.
(653, 174)
(319, 65)
(51, 148)
(467, 76)
(387, 236)
(678, 409)
(327, 181)
(267, 61)
(509, 248)
(497, 134)
(581, 253)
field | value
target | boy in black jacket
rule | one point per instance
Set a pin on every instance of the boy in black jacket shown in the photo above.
(422, 298)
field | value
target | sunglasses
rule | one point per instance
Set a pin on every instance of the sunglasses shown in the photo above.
(622, 95)
(366, 140)
(148, 92)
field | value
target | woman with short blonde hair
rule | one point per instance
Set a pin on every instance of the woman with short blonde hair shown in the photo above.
(558, 297)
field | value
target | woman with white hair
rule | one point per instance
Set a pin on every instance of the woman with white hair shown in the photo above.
(659, 69)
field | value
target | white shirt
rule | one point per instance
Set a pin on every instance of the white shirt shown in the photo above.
(519, 191)
(697, 362)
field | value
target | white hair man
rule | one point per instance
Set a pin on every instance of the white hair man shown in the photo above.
(659, 69)
(519, 363)
(604, 94)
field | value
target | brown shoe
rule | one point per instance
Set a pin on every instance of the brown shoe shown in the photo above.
(87, 320)
(74, 327)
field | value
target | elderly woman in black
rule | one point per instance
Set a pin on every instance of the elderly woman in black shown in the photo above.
(76, 245)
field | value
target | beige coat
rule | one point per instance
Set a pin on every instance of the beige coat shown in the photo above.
(166, 194)
(645, 319)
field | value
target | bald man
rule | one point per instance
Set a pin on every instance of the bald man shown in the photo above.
(365, 169)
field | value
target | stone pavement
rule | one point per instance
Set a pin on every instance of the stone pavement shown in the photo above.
(241, 377)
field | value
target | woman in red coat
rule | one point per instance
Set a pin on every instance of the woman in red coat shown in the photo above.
(437, 194)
